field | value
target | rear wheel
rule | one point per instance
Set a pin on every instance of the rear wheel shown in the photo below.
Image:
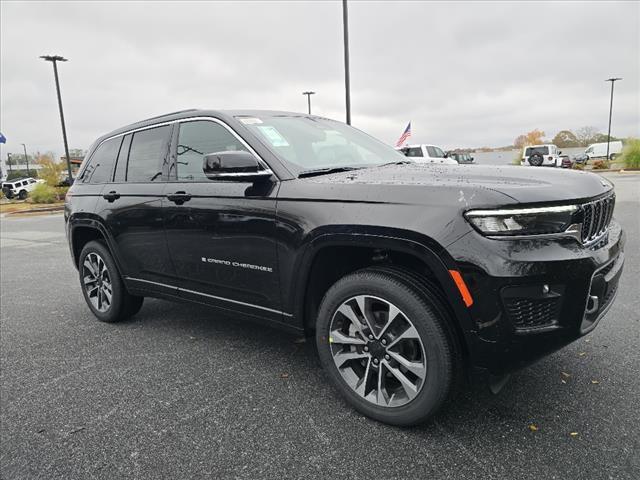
(384, 345)
(102, 285)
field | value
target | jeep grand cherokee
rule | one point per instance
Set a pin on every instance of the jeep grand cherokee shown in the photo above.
(411, 277)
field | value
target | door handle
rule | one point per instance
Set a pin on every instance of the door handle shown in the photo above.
(111, 196)
(179, 197)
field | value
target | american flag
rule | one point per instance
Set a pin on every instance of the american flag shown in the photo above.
(405, 136)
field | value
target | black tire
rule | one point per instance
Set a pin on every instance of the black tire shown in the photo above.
(425, 312)
(535, 160)
(22, 195)
(122, 305)
(9, 194)
(612, 156)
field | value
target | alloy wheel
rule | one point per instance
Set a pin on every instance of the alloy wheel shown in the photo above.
(377, 351)
(97, 282)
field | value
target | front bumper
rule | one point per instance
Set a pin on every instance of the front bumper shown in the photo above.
(533, 297)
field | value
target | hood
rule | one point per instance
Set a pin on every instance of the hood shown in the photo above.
(521, 184)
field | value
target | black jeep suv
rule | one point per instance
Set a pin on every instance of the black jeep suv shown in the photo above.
(411, 277)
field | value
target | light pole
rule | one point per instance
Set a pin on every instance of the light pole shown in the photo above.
(347, 83)
(612, 80)
(26, 159)
(54, 59)
(308, 94)
(9, 162)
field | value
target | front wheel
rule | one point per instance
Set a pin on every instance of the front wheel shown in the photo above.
(384, 344)
(22, 195)
(102, 285)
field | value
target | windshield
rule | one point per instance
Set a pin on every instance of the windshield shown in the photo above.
(310, 143)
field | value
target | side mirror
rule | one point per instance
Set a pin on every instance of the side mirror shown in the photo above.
(559, 152)
(233, 166)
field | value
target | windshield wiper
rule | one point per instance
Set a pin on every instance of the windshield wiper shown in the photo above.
(324, 171)
(399, 162)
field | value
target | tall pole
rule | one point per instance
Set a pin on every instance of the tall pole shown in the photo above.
(26, 159)
(612, 80)
(308, 94)
(9, 162)
(347, 83)
(54, 59)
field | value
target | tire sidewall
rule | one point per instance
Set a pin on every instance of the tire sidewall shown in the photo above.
(424, 318)
(536, 160)
(118, 300)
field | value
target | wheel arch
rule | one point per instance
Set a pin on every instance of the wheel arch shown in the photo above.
(330, 256)
(84, 229)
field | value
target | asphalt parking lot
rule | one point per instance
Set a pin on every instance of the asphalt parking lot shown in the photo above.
(183, 392)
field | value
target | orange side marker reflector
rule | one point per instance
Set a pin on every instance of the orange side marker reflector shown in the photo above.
(462, 287)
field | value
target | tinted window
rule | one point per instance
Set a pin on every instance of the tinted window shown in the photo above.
(121, 164)
(101, 162)
(24, 184)
(148, 150)
(197, 139)
(538, 150)
(414, 152)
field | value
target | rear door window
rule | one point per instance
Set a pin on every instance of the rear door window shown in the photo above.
(435, 152)
(147, 154)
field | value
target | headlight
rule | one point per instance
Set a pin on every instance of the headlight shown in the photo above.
(523, 221)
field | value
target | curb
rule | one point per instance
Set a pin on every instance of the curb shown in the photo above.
(36, 211)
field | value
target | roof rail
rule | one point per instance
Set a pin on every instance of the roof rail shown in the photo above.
(167, 114)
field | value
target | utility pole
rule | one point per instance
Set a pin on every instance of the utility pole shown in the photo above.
(308, 94)
(26, 159)
(54, 59)
(612, 80)
(347, 82)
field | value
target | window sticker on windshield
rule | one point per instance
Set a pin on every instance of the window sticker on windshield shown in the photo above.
(250, 120)
(273, 136)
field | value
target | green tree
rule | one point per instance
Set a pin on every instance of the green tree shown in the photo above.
(565, 139)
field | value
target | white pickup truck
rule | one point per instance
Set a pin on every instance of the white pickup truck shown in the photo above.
(426, 154)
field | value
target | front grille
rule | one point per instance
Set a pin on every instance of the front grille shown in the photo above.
(596, 217)
(533, 312)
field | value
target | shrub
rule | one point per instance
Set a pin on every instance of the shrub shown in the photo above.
(50, 170)
(578, 166)
(517, 159)
(600, 165)
(43, 193)
(631, 154)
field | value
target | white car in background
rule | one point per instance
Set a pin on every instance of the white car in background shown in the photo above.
(599, 150)
(20, 187)
(546, 155)
(424, 153)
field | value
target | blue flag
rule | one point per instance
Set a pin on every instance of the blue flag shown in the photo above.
(3, 139)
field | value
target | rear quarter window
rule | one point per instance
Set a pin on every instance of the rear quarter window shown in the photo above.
(100, 166)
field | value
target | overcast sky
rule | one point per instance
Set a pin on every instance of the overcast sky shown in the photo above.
(465, 74)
